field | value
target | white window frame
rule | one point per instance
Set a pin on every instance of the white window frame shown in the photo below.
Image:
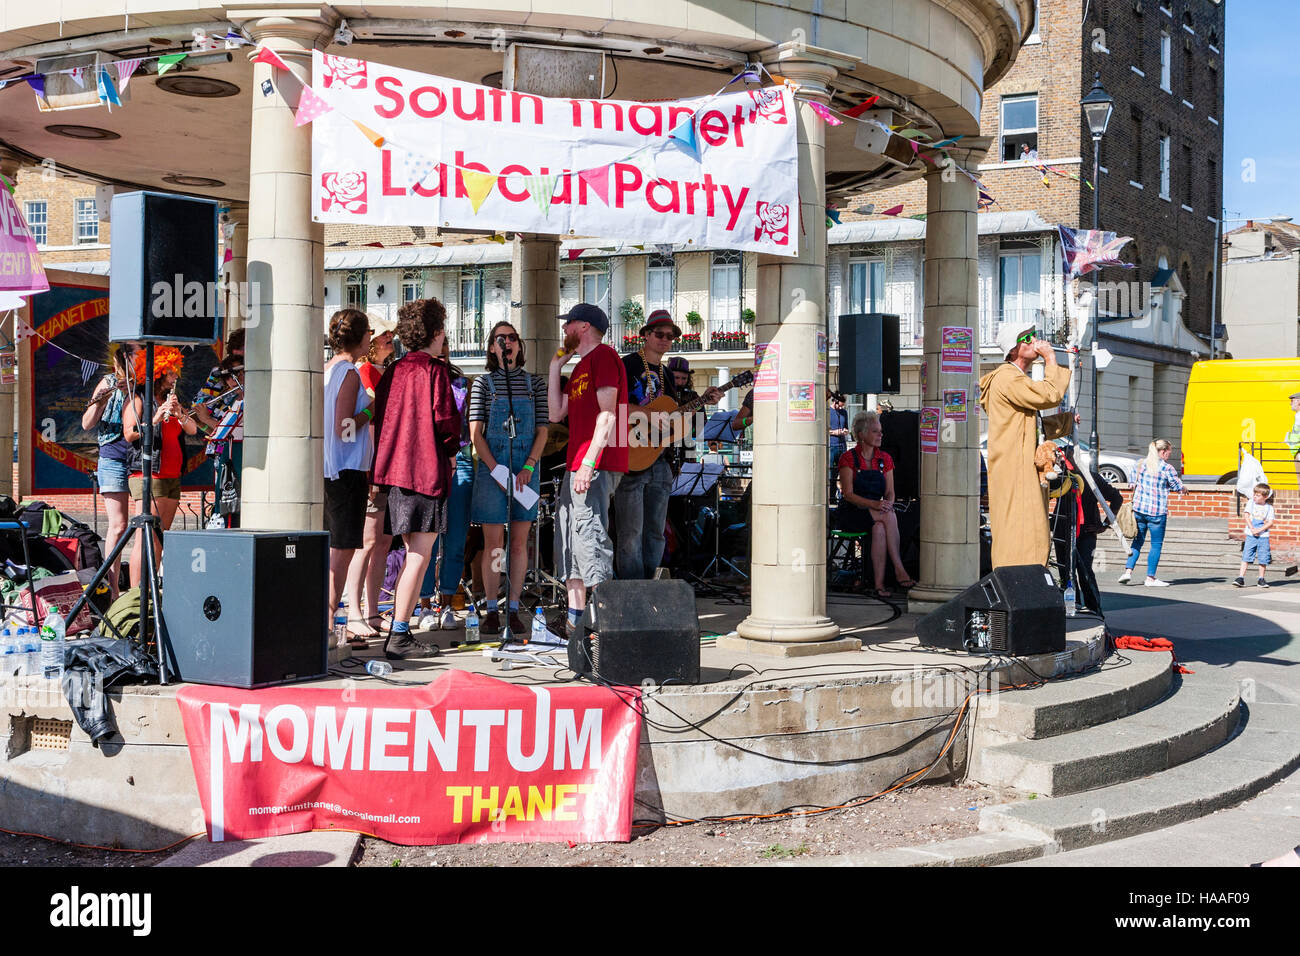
(1166, 169)
(726, 287)
(660, 283)
(37, 214)
(355, 291)
(1004, 132)
(471, 310)
(1166, 61)
(594, 283)
(412, 285)
(86, 221)
(1024, 302)
(1034, 35)
(867, 284)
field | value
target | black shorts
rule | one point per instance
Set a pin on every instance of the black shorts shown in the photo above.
(410, 512)
(345, 509)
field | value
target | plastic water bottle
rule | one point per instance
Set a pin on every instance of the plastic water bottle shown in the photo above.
(378, 668)
(53, 642)
(32, 650)
(12, 652)
(1069, 599)
(471, 626)
(539, 626)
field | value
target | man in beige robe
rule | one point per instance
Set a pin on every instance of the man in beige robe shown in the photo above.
(1011, 400)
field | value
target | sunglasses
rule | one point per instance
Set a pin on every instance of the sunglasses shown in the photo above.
(661, 334)
(509, 336)
(1025, 339)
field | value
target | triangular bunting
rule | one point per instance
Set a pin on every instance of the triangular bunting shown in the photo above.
(664, 248)
(418, 168)
(892, 211)
(168, 61)
(598, 180)
(574, 253)
(107, 91)
(833, 215)
(644, 160)
(684, 136)
(125, 70)
(78, 74)
(7, 184)
(267, 55)
(310, 107)
(88, 369)
(499, 239)
(827, 116)
(478, 185)
(542, 189)
(862, 107)
(229, 255)
(375, 139)
(37, 83)
(946, 142)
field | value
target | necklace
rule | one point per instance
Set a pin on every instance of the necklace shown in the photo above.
(651, 392)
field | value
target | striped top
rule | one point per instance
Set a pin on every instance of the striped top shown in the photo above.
(1151, 489)
(480, 396)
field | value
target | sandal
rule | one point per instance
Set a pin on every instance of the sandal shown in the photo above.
(884, 594)
(909, 583)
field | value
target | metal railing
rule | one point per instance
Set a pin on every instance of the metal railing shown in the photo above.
(1281, 467)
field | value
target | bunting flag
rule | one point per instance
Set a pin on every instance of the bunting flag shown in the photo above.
(3, 84)
(830, 118)
(230, 254)
(542, 189)
(235, 39)
(165, 63)
(52, 354)
(985, 200)
(574, 253)
(644, 160)
(478, 185)
(125, 70)
(311, 107)
(684, 136)
(78, 74)
(598, 180)
(947, 142)
(37, 83)
(862, 107)
(267, 55)
(375, 139)
(499, 239)
(832, 216)
(7, 183)
(664, 248)
(418, 168)
(749, 76)
(88, 368)
(107, 91)
(892, 211)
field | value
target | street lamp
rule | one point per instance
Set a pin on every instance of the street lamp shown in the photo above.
(1097, 108)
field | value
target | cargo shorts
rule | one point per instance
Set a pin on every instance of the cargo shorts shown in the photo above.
(583, 546)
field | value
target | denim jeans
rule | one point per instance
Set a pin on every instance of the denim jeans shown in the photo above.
(1156, 524)
(640, 512)
(452, 564)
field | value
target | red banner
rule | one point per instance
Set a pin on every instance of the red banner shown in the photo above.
(465, 759)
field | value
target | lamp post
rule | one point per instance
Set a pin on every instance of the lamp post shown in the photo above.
(1097, 107)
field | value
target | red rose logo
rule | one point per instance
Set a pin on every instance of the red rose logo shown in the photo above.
(344, 189)
(773, 223)
(769, 104)
(345, 71)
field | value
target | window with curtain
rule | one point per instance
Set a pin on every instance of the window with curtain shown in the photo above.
(37, 215)
(659, 283)
(87, 221)
(354, 290)
(1166, 173)
(412, 285)
(1020, 284)
(724, 287)
(595, 284)
(471, 308)
(866, 285)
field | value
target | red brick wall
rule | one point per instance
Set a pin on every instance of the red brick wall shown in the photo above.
(1218, 501)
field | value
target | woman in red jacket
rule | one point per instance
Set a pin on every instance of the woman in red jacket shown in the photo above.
(417, 433)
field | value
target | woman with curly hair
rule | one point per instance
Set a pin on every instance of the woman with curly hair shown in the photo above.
(347, 456)
(417, 432)
(169, 421)
(104, 414)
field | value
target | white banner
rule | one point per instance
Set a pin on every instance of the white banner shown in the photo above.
(395, 147)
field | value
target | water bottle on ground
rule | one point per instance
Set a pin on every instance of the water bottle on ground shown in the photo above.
(11, 654)
(378, 668)
(539, 634)
(1069, 599)
(53, 642)
(471, 626)
(32, 646)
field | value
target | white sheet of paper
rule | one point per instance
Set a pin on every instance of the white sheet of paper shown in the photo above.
(526, 496)
(501, 475)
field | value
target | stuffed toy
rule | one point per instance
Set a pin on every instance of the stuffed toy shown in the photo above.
(1045, 462)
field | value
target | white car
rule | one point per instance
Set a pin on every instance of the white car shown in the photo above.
(1116, 467)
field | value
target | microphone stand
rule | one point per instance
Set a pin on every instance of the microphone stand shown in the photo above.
(511, 431)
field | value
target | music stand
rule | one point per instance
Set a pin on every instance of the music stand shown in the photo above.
(718, 428)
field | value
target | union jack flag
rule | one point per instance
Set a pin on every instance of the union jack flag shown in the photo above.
(1083, 250)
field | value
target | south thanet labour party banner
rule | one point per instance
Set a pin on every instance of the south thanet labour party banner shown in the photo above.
(465, 759)
(396, 147)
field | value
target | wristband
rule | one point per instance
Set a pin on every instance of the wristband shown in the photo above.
(369, 412)
(589, 462)
(528, 468)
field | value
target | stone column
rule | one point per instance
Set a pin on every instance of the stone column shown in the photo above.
(283, 484)
(234, 272)
(950, 479)
(10, 163)
(788, 565)
(535, 285)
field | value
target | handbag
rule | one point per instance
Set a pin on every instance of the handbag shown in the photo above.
(1125, 521)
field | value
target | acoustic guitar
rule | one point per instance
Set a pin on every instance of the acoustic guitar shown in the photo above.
(642, 454)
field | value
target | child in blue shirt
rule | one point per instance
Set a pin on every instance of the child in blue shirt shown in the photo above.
(1259, 518)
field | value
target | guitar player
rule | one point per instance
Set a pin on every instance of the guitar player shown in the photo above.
(641, 501)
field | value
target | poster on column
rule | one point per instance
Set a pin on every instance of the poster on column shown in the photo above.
(800, 405)
(396, 147)
(957, 350)
(821, 353)
(930, 430)
(767, 381)
(954, 404)
(465, 759)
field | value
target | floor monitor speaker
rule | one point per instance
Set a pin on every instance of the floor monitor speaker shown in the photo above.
(1016, 611)
(638, 631)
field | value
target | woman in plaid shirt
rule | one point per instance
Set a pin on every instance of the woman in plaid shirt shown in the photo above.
(1155, 479)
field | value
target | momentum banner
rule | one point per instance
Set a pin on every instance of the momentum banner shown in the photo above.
(466, 759)
(396, 147)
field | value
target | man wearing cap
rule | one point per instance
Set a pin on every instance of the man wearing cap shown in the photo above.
(1011, 400)
(641, 502)
(1292, 438)
(596, 459)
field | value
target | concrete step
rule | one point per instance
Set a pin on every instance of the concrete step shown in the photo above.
(1265, 750)
(1198, 714)
(1063, 706)
(315, 848)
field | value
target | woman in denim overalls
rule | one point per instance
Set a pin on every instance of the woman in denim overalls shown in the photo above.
(490, 407)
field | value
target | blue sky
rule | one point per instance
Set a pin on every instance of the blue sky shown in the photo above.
(1262, 76)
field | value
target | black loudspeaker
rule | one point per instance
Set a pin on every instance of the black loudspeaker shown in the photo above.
(164, 269)
(903, 443)
(869, 356)
(246, 608)
(634, 631)
(1014, 611)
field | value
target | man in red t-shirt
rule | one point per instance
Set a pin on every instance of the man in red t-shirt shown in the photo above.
(597, 457)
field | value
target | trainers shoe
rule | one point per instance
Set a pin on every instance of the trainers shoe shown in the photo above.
(448, 621)
(428, 619)
(517, 627)
(1126, 576)
(402, 646)
(1262, 583)
(1239, 583)
(1155, 583)
(490, 628)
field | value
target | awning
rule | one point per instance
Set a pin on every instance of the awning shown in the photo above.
(899, 230)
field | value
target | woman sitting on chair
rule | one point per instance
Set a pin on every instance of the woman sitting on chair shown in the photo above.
(867, 498)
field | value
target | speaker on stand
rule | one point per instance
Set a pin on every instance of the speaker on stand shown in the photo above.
(869, 356)
(634, 631)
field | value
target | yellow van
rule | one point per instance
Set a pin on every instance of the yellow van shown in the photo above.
(1235, 403)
